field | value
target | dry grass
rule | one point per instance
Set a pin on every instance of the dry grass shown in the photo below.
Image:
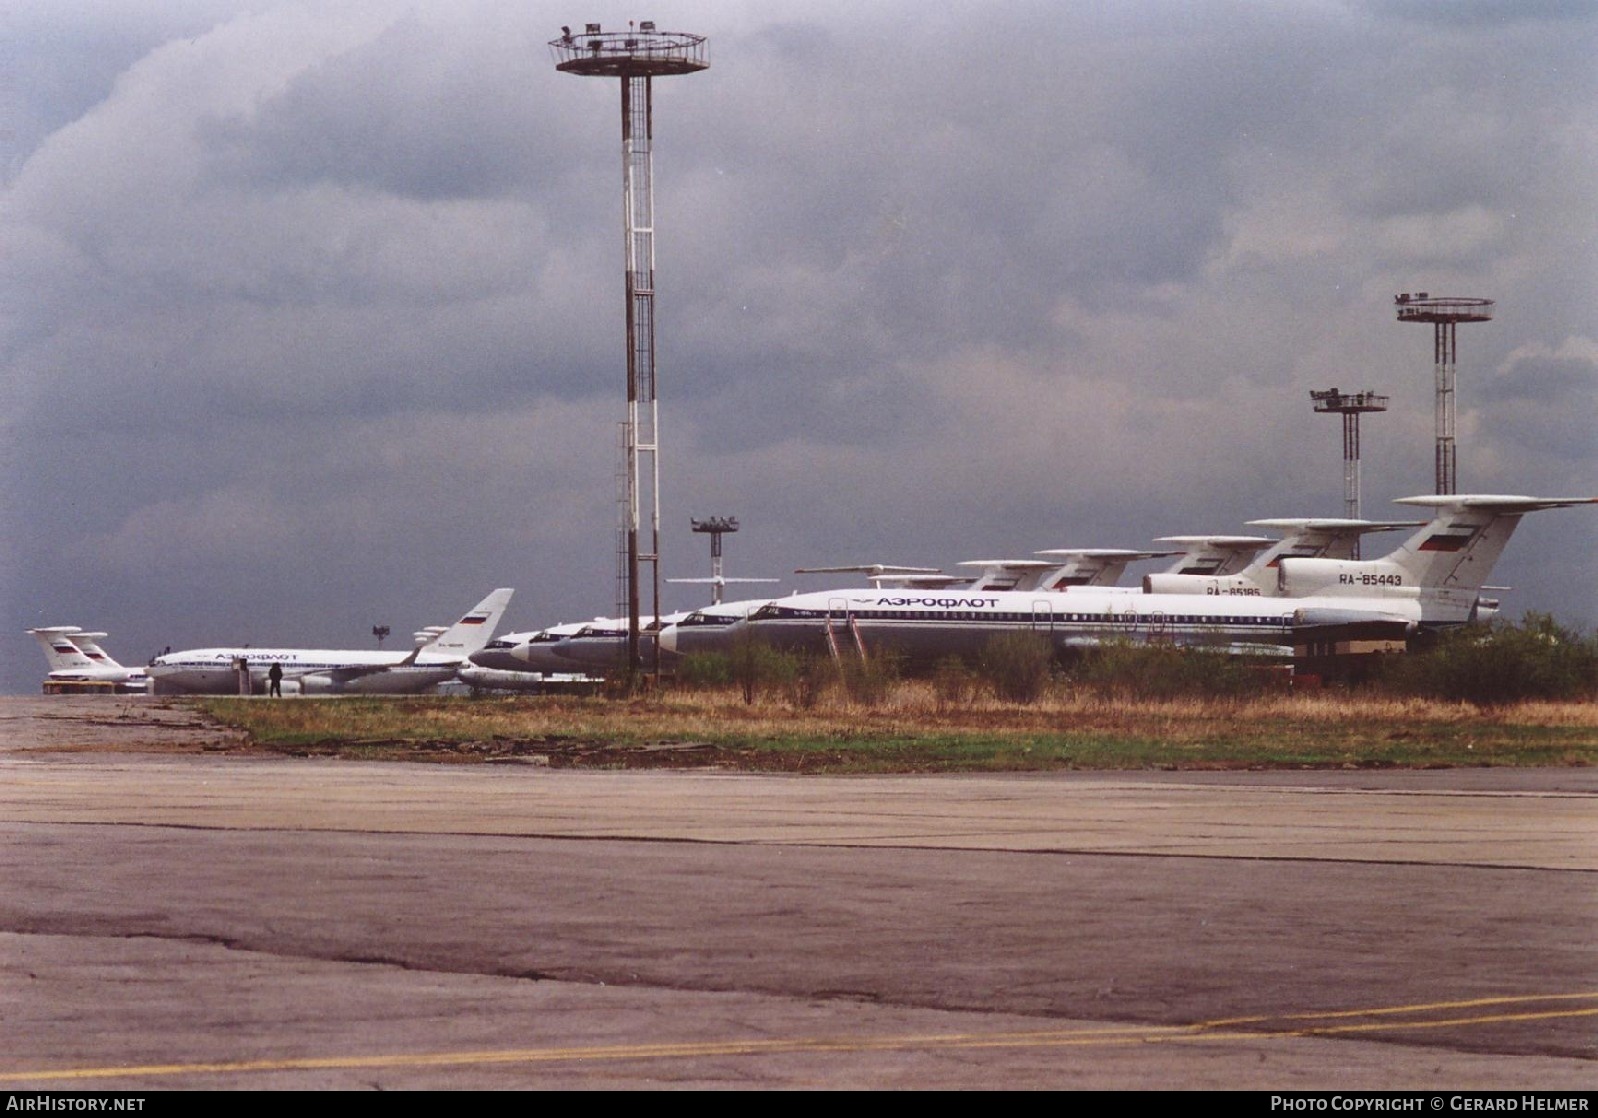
(911, 729)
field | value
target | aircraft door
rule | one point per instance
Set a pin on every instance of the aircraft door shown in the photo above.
(842, 631)
(1043, 617)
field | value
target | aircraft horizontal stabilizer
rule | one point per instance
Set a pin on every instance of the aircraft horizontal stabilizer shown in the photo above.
(1010, 564)
(1495, 502)
(1313, 524)
(713, 581)
(873, 569)
(1230, 543)
(1106, 553)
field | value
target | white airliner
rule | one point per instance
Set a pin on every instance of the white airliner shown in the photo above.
(75, 656)
(332, 671)
(1432, 580)
(1069, 568)
(706, 630)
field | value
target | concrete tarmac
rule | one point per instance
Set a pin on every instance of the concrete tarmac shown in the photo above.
(175, 916)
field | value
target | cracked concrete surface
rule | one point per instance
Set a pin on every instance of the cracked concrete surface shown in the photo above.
(176, 918)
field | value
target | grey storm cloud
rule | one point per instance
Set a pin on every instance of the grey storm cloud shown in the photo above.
(313, 313)
(1544, 405)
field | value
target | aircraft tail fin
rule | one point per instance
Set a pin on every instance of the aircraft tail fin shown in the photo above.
(60, 649)
(89, 644)
(1454, 551)
(473, 631)
(1214, 555)
(1091, 566)
(1320, 538)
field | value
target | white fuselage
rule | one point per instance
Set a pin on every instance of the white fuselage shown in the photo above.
(216, 671)
(131, 681)
(213, 671)
(926, 625)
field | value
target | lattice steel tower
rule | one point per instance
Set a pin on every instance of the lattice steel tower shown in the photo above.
(1445, 313)
(1350, 405)
(636, 56)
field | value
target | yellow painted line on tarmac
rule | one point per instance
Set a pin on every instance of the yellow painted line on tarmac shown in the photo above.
(1419, 1007)
(621, 1052)
(1203, 1031)
(1486, 1019)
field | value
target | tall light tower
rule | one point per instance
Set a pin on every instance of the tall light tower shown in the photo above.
(1350, 406)
(716, 527)
(636, 56)
(1445, 313)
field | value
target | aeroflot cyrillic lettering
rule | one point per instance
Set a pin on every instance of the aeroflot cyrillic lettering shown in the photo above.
(941, 603)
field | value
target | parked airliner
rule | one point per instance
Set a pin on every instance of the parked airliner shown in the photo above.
(75, 656)
(1432, 580)
(323, 671)
(1074, 568)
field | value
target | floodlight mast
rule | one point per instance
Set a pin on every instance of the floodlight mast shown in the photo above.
(636, 56)
(716, 526)
(1446, 313)
(1350, 405)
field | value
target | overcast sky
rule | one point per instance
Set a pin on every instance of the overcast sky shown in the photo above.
(313, 312)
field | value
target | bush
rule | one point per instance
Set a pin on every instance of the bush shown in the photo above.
(1018, 666)
(812, 675)
(704, 671)
(870, 680)
(1499, 663)
(1125, 670)
(953, 685)
(754, 665)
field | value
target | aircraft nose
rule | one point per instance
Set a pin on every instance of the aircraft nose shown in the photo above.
(668, 638)
(501, 658)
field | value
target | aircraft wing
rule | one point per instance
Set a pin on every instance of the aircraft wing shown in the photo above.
(346, 675)
(356, 671)
(1350, 624)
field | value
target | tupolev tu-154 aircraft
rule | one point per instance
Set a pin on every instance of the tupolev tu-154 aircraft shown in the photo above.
(1071, 569)
(1432, 580)
(334, 671)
